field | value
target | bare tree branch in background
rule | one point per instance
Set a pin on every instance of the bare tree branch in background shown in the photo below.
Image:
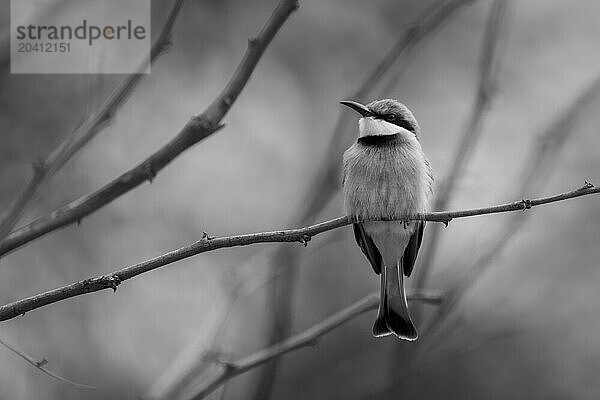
(198, 128)
(43, 170)
(196, 358)
(306, 338)
(540, 164)
(326, 183)
(488, 67)
(41, 365)
(302, 235)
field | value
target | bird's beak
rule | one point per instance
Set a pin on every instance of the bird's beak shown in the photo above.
(359, 108)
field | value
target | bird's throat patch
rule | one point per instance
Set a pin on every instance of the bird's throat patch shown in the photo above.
(379, 140)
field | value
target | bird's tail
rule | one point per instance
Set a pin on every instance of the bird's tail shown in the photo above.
(393, 316)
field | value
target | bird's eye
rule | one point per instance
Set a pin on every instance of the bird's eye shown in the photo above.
(390, 117)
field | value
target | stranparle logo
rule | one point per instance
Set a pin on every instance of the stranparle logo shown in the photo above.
(87, 36)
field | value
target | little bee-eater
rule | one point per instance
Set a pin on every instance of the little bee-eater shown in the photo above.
(387, 176)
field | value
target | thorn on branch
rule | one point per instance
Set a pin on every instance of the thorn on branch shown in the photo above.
(252, 41)
(218, 358)
(203, 124)
(206, 236)
(150, 172)
(111, 281)
(228, 365)
(304, 239)
(588, 185)
(41, 362)
(106, 118)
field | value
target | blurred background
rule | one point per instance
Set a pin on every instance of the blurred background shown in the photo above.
(527, 328)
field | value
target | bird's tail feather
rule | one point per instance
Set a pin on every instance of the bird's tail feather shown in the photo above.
(393, 316)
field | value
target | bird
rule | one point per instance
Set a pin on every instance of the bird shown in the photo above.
(387, 177)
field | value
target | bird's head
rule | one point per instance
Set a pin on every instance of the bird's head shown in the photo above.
(384, 118)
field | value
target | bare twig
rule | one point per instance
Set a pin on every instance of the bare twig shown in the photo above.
(306, 338)
(488, 67)
(41, 365)
(326, 182)
(535, 174)
(302, 235)
(43, 170)
(198, 128)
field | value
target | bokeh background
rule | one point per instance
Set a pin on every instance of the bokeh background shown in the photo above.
(528, 328)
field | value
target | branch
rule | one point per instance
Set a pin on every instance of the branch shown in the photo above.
(306, 338)
(326, 181)
(41, 365)
(198, 128)
(207, 243)
(43, 170)
(488, 66)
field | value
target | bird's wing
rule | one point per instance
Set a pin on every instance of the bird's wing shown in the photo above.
(410, 253)
(368, 247)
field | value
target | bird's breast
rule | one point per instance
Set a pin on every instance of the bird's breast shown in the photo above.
(386, 181)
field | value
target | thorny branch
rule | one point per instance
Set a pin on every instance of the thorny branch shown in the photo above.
(326, 182)
(41, 365)
(43, 170)
(198, 128)
(302, 235)
(303, 339)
